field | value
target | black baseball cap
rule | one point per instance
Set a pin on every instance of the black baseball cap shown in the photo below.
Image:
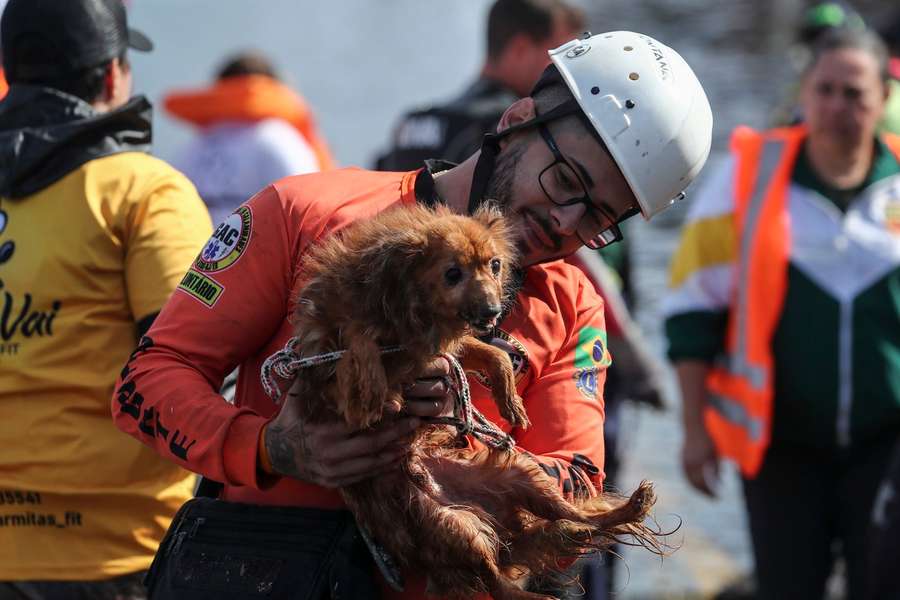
(50, 38)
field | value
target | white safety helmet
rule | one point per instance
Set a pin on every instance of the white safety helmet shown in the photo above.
(647, 106)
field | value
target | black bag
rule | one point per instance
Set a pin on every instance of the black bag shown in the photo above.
(217, 549)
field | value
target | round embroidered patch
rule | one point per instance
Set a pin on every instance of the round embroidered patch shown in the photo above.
(227, 243)
(517, 354)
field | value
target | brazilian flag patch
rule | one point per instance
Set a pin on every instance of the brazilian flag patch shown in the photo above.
(591, 356)
(591, 351)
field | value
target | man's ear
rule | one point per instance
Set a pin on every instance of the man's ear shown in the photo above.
(517, 47)
(520, 111)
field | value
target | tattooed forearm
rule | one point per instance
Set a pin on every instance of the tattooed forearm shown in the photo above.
(288, 450)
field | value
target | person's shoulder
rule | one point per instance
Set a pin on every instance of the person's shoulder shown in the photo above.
(318, 196)
(137, 174)
(336, 183)
(558, 282)
(133, 163)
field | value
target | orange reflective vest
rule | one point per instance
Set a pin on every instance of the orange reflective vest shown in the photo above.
(740, 384)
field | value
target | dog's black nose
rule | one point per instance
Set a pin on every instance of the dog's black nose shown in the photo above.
(489, 312)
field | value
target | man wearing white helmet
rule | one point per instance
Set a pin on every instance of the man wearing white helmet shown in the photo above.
(618, 125)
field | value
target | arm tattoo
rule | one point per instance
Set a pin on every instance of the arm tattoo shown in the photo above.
(281, 444)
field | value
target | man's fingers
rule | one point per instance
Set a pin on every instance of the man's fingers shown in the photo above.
(363, 467)
(429, 408)
(695, 476)
(431, 387)
(367, 442)
(438, 367)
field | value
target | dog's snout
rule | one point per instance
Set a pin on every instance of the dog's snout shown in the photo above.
(489, 312)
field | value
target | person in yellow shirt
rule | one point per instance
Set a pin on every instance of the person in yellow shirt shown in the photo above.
(95, 234)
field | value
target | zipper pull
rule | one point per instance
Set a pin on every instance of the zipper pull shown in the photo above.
(179, 538)
(173, 541)
(197, 523)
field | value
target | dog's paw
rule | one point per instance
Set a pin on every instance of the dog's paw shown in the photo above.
(642, 499)
(513, 410)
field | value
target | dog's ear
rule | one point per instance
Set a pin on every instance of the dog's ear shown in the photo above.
(492, 218)
(388, 285)
(396, 253)
(490, 215)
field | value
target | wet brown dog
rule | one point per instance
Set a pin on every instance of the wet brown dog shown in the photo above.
(474, 521)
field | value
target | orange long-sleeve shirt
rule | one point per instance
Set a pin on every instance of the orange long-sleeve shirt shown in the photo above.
(232, 310)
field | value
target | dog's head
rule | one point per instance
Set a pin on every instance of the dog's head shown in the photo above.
(435, 273)
(465, 269)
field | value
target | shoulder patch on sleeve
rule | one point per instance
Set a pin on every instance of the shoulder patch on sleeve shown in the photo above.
(591, 356)
(205, 289)
(227, 243)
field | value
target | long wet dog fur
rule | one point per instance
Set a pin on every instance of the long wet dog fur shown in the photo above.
(474, 521)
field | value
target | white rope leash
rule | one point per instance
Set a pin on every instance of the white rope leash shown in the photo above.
(468, 420)
(285, 364)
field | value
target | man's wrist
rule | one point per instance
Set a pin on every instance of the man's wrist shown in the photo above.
(263, 462)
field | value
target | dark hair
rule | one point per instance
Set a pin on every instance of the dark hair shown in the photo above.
(841, 38)
(247, 63)
(535, 18)
(551, 91)
(86, 83)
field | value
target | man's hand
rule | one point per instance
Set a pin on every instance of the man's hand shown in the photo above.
(331, 455)
(430, 395)
(698, 452)
(700, 461)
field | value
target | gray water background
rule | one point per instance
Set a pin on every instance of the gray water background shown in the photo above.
(360, 63)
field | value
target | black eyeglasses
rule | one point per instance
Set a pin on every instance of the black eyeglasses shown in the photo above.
(561, 184)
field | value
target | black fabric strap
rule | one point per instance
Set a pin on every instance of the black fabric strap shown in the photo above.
(424, 186)
(208, 488)
(490, 148)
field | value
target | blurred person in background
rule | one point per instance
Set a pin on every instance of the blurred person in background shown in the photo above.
(884, 550)
(519, 34)
(94, 236)
(783, 322)
(890, 32)
(816, 21)
(884, 547)
(252, 130)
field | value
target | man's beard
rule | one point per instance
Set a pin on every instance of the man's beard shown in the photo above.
(499, 188)
(499, 193)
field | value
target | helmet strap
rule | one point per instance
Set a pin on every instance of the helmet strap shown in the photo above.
(484, 170)
(490, 149)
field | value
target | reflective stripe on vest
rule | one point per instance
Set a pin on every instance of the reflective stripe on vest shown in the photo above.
(732, 410)
(739, 409)
(736, 362)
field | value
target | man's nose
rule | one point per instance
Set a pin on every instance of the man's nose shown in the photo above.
(566, 218)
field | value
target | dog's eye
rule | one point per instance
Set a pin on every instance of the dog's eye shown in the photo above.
(495, 266)
(453, 275)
